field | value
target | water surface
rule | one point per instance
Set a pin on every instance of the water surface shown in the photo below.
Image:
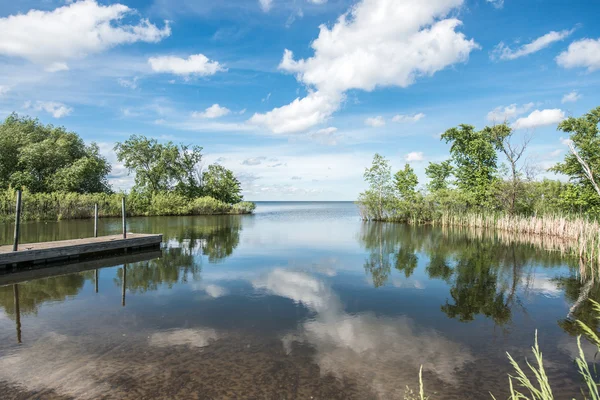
(299, 301)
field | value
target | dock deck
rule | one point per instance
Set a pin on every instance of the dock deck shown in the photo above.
(64, 249)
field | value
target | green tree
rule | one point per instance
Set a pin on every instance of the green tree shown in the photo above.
(582, 165)
(44, 158)
(160, 167)
(378, 196)
(438, 174)
(475, 158)
(220, 183)
(406, 182)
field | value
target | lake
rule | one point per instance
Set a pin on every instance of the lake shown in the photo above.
(299, 301)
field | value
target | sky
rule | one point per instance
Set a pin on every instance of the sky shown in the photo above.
(296, 96)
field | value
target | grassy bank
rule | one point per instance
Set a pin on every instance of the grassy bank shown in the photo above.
(571, 235)
(59, 206)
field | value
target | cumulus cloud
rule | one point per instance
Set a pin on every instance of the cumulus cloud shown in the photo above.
(503, 52)
(583, 53)
(197, 64)
(571, 97)
(414, 156)
(375, 122)
(377, 43)
(52, 38)
(408, 118)
(56, 109)
(540, 118)
(500, 114)
(214, 111)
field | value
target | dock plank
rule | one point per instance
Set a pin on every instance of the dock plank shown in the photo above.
(47, 251)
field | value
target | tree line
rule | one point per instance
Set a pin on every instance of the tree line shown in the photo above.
(44, 159)
(473, 180)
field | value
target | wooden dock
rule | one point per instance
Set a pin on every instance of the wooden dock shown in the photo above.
(65, 249)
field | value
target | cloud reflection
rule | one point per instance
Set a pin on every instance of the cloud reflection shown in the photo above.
(383, 353)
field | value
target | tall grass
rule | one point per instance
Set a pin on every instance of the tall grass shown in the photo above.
(532, 383)
(59, 206)
(577, 236)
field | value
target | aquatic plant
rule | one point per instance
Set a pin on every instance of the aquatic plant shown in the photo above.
(59, 206)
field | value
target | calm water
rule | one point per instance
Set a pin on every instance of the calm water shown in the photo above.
(299, 301)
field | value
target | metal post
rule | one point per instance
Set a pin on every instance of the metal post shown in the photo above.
(96, 220)
(17, 222)
(96, 281)
(124, 219)
(17, 312)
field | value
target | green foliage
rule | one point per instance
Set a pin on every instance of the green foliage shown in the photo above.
(406, 182)
(475, 158)
(161, 167)
(220, 183)
(57, 206)
(438, 174)
(44, 158)
(585, 137)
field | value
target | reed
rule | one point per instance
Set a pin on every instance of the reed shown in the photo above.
(59, 206)
(576, 235)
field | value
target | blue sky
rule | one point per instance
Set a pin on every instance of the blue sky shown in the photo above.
(295, 96)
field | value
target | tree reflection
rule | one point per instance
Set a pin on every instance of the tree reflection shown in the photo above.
(389, 244)
(34, 293)
(484, 273)
(578, 294)
(176, 265)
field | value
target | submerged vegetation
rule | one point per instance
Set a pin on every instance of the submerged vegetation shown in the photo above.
(62, 178)
(474, 189)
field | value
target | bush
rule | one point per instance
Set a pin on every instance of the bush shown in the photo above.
(58, 206)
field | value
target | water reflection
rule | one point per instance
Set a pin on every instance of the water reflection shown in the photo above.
(484, 273)
(292, 307)
(376, 351)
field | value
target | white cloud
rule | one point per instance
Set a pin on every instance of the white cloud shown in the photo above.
(214, 111)
(56, 109)
(414, 156)
(197, 64)
(51, 38)
(128, 83)
(4, 90)
(317, 1)
(326, 136)
(540, 118)
(265, 4)
(300, 115)
(501, 114)
(496, 3)
(408, 118)
(375, 122)
(254, 161)
(571, 97)
(377, 43)
(583, 53)
(503, 52)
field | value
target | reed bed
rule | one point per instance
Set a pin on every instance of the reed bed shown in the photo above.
(60, 206)
(576, 236)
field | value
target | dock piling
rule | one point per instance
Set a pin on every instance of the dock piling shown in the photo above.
(96, 220)
(124, 218)
(17, 222)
